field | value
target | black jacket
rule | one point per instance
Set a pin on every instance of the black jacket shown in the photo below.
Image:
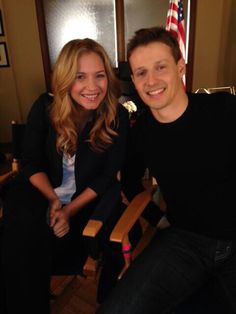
(92, 169)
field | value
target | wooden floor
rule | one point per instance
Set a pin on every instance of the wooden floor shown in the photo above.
(77, 295)
(74, 295)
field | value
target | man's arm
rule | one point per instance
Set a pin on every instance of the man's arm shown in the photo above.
(132, 176)
(134, 167)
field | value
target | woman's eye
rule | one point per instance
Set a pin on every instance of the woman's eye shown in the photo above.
(101, 75)
(79, 77)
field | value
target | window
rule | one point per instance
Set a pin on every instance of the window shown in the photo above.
(110, 22)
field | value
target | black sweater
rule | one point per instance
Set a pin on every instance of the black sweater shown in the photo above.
(193, 161)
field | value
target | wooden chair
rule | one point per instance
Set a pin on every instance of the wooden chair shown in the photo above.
(95, 231)
(109, 203)
(17, 143)
(205, 301)
(210, 90)
(132, 214)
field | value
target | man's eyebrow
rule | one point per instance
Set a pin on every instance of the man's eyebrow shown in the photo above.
(139, 68)
(142, 67)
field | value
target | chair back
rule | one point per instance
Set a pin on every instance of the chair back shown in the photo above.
(18, 131)
(210, 90)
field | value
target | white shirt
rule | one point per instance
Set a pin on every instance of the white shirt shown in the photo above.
(67, 187)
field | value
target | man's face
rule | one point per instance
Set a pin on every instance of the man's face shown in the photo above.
(157, 77)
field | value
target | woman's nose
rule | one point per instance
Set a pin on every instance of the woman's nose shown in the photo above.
(91, 83)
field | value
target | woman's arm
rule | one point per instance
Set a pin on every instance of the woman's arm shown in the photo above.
(60, 217)
(115, 157)
(41, 182)
(35, 138)
(59, 220)
(80, 201)
(99, 184)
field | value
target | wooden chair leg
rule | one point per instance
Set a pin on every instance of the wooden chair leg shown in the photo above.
(91, 267)
(127, 253)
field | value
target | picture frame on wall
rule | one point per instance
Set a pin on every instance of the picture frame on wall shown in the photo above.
(4, 60)
(1, 25)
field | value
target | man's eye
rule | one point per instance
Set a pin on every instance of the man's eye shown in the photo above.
(161, 67)
(140, 73)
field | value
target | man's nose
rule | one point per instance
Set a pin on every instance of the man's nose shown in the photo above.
(151, 78)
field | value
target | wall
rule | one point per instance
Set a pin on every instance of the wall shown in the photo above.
(8, 95)
(215, 45)
(228, 59)
(23, 81)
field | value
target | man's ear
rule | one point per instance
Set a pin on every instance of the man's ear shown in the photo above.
(181, 67)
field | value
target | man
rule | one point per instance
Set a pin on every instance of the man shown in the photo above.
(188, 143)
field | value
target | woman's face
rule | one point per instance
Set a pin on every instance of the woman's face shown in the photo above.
(90, 85)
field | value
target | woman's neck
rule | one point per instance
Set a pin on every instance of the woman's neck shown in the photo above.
(81, 117)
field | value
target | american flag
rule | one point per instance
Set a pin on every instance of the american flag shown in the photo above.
(175, 22)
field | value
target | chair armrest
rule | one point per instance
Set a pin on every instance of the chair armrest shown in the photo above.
(92, 228)
(131, 215)
(103, 210)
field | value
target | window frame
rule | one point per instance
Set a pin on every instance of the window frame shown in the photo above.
(119, 7)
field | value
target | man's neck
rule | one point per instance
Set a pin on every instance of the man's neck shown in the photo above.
(172, 112)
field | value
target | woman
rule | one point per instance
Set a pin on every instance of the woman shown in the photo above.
(74, 146)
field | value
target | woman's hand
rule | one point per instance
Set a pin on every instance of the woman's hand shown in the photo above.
(60, 218)
(60, 222)
(54, 205)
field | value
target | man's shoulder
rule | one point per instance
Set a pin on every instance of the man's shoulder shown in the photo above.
(213, 98)
(142, 118)
(216, 102)
(219, 107)
(139, 130)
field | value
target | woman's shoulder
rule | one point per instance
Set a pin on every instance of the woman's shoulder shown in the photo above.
(41, 106)
(122, 113)
(45, 99)
(42, 102)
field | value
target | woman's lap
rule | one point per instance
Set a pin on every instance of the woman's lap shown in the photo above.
(31, 252)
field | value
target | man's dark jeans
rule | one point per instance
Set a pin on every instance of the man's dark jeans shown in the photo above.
(175, 265)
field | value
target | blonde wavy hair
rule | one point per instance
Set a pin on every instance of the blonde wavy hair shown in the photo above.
(62, 109)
